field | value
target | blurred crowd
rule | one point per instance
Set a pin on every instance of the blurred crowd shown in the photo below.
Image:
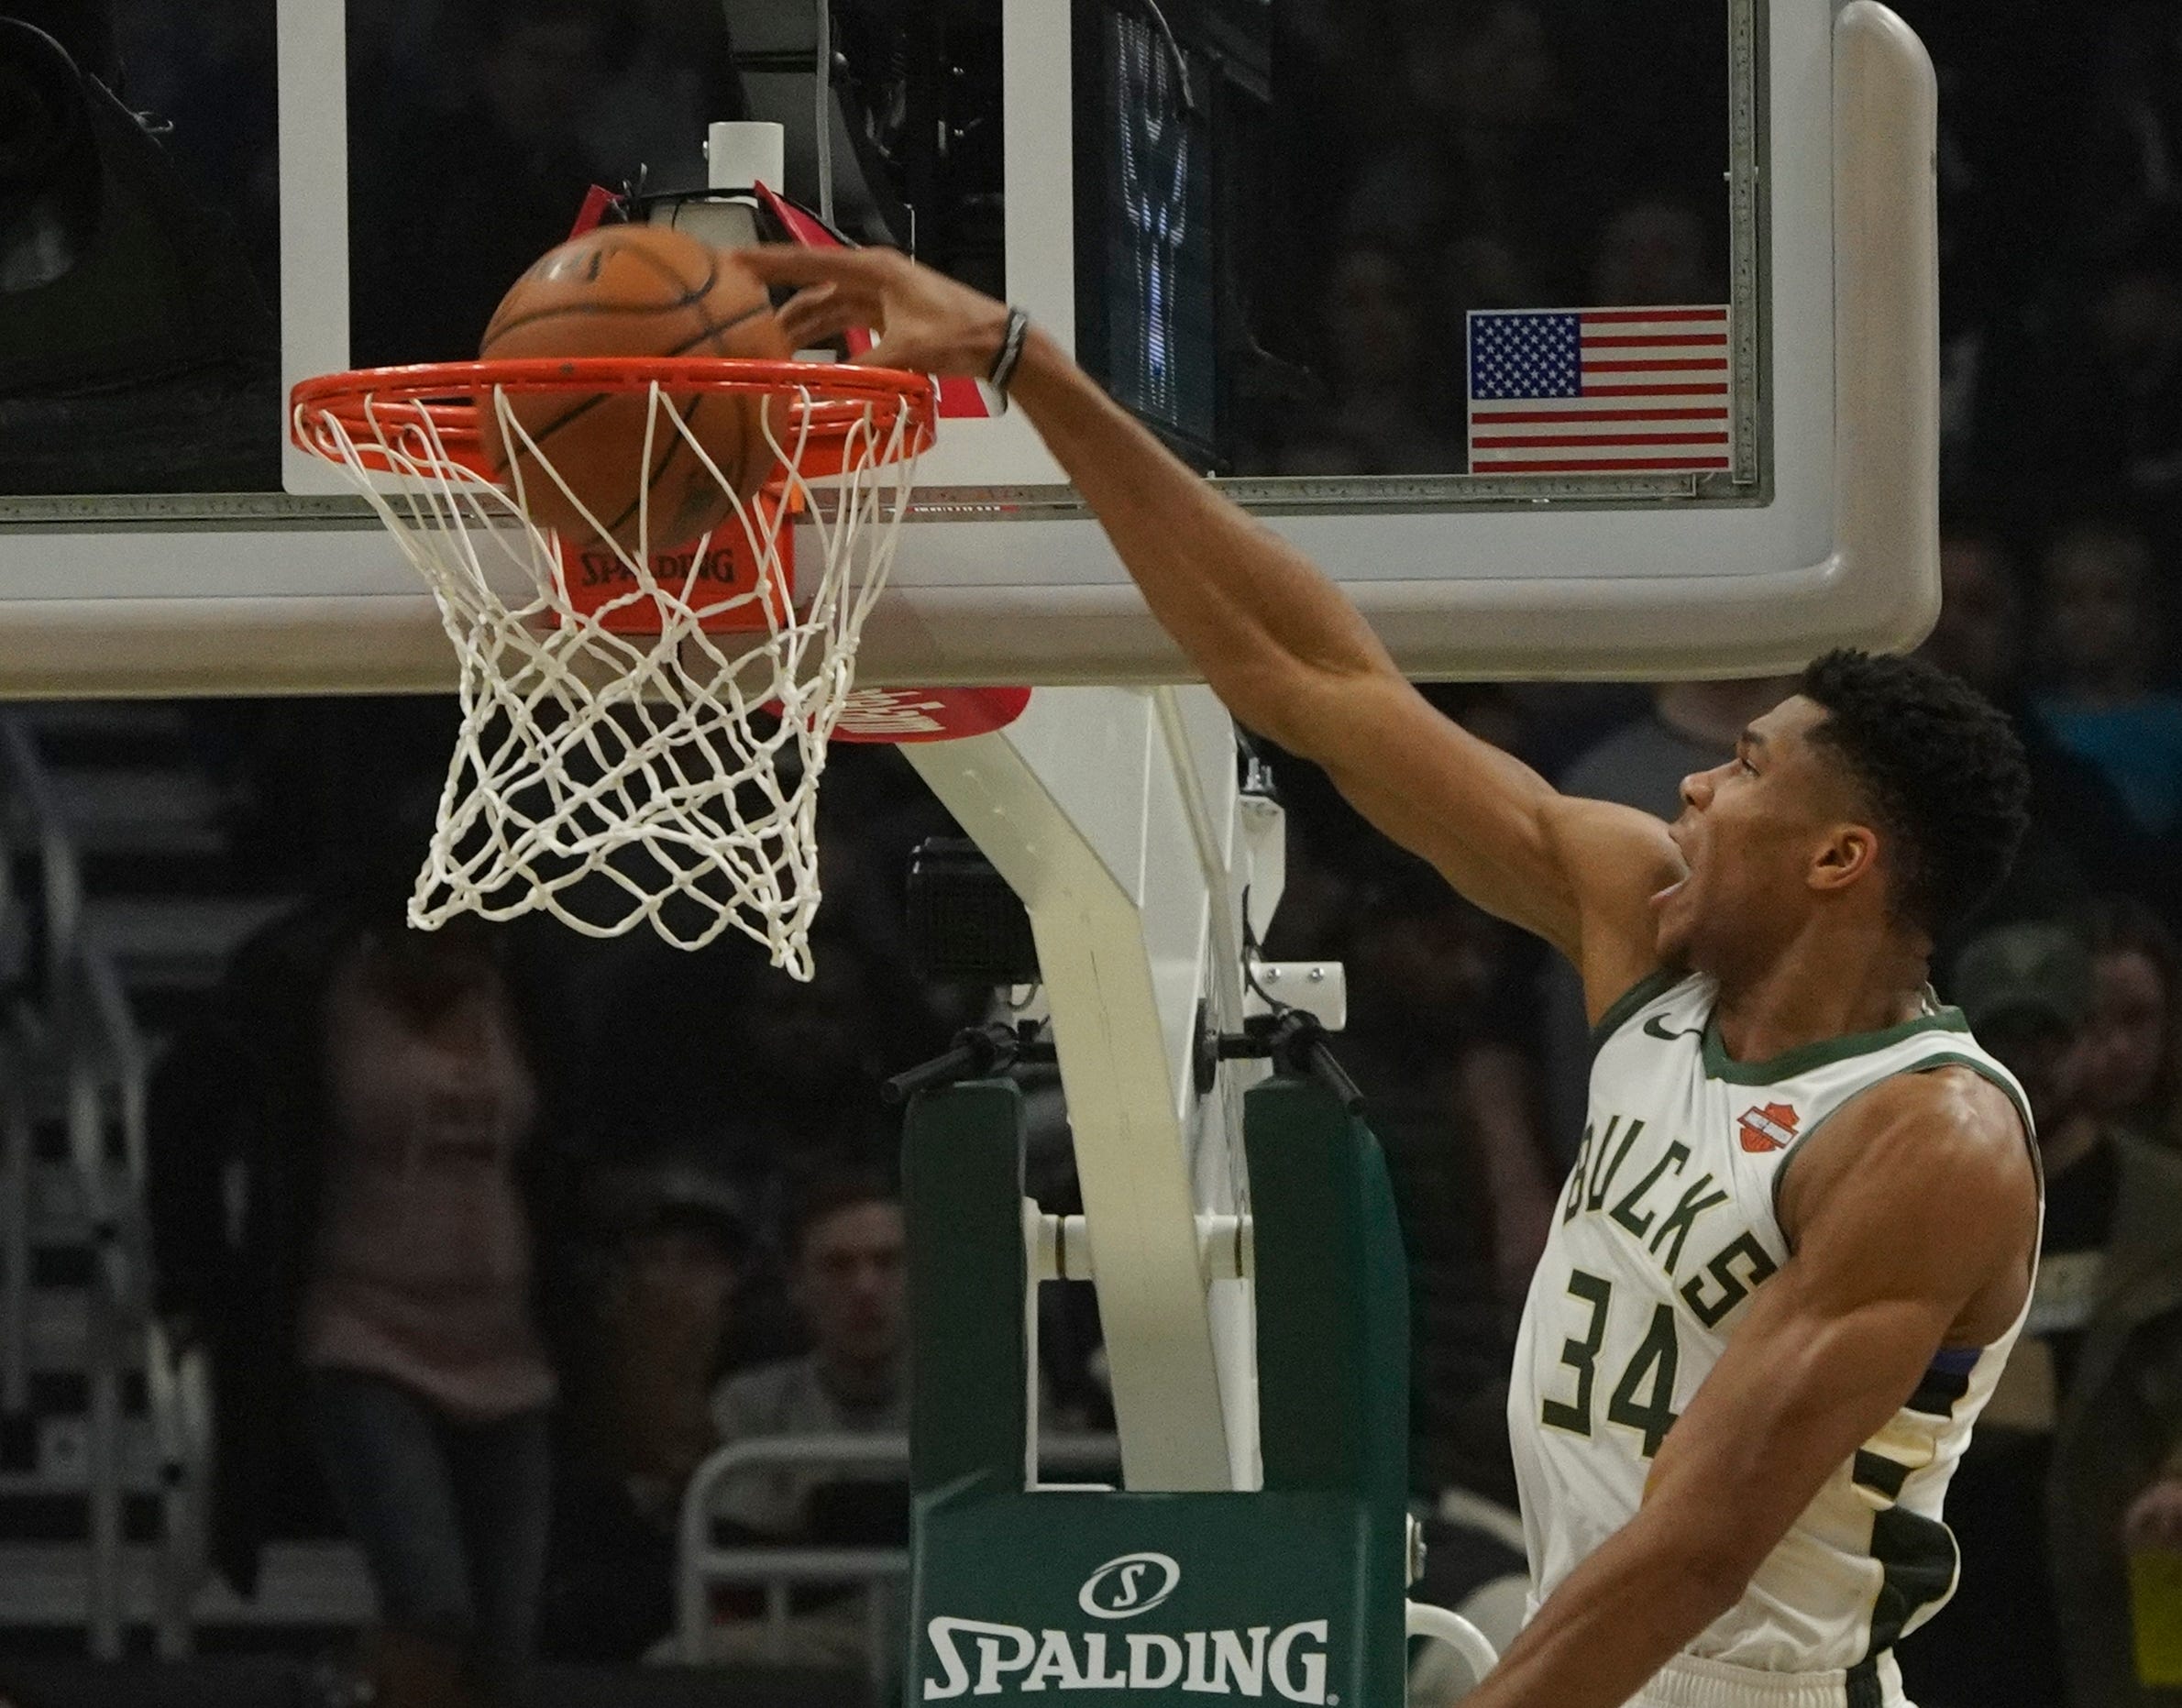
(496, 1235)
(1513, 163)
(493, 1235)
(1522, 164)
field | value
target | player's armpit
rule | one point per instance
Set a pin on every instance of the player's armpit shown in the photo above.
(1619, 859)
(1938, 1209)
(1577, 873)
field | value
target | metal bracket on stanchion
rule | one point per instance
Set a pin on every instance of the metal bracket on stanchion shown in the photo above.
(1293, 1041)
(979, 1053)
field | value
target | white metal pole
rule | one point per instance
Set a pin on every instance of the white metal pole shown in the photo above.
(823, 53)
(1079, 806)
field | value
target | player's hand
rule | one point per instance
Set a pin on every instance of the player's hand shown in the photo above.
(2154, 1518)
(925, 321)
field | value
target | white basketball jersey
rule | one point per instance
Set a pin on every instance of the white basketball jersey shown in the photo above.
(1666, 1228)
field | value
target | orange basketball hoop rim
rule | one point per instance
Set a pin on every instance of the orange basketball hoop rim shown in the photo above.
(828, 426)
(836, 411)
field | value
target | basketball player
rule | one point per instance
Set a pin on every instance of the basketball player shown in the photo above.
(1801, 1235)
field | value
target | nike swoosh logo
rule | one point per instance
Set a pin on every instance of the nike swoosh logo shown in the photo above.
(1657, 1028)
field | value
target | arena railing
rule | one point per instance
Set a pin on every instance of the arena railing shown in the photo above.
(702, 1565)
(88, 1041)
(19, 1049)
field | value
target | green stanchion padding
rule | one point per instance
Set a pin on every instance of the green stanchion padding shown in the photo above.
(962, 1195)
(1293, 1594)
(1333, 1342)
(1332, 1297)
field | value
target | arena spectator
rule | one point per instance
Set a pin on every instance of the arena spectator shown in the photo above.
(1410, 172)
(845, 1243)
(1654, 251)
(1453, 1099)
(369, 1091)
(2105, 630)
(2081, 840)
(1476, 270)
(2087, 406)
(1503, 104)
(1639, 129)
(647, 1296)
(2137, 121)
(2014, 97)
(779, 1077)
(509, 89)
(2132, 1066)
(845, 1263)
(1382, 418)
(2074, 1458)
(2137, 320)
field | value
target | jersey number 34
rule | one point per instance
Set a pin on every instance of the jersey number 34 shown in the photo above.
(1642, 1399)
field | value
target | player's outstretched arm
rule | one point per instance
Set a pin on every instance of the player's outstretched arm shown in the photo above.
(1286, 652)
(1914, 1215)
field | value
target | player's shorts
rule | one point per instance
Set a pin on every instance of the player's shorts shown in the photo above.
(1687, 1682)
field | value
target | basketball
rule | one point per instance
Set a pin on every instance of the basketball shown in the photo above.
(631, 291)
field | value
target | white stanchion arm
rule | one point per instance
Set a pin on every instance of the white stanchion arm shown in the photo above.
(1103, 809)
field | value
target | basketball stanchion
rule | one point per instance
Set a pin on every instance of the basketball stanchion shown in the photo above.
(644, 721)
(1292, 1591)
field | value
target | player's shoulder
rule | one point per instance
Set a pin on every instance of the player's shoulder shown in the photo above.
(1955, 1105)
(1949, 1133)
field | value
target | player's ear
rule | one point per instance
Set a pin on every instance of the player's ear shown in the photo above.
(1847, 854)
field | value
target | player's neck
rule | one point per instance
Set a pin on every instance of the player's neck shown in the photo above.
(1818, 988)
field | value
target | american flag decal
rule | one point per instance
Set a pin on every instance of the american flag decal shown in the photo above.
(1599, 390)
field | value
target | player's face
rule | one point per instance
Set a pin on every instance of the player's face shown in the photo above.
(1748, 832)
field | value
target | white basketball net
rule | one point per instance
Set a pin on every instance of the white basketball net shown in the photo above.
(612, 776)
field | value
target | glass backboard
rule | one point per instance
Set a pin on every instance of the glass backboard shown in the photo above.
(1573, 335)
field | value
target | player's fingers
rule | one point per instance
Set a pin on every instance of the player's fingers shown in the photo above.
(792, 263)
(815, 313)
(842, 312)
(889, 353)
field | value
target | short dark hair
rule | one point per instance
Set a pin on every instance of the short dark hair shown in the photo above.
(835, 1186)
(1942, 770)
